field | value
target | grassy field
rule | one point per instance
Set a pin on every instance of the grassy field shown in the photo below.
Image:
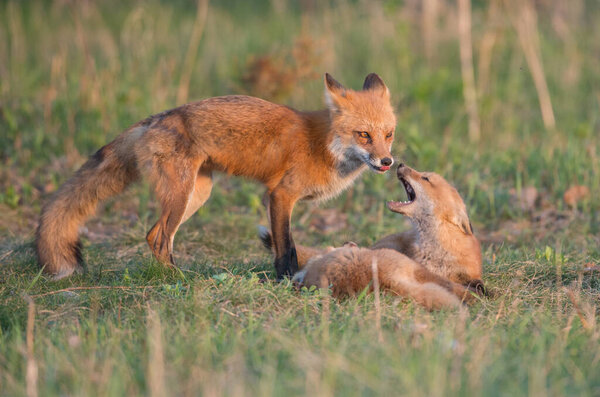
(74, 74)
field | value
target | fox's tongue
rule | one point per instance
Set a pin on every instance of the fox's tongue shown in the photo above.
(384, 167)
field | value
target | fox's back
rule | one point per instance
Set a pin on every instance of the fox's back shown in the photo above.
(238, 134)
(245, 120)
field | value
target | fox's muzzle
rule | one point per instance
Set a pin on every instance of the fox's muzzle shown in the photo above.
(386, 162)
(381, 165)
(403, 170)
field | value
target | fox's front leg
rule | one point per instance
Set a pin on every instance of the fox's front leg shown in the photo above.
(303, 253)
(281, 204)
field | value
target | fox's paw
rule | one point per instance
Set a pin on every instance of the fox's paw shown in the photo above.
(160, 244)
(478, 287)
(66, 272)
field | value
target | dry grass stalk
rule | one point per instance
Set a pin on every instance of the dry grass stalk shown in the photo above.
(31, 374)
(565, 15)
(91, 84)
(124, 287)
(430, 31)
(156, 367)
(524, 19)
(325, 315)
(586, 324)
(377, 301)
(486, 47)
(466, 63)
(190, 56)
(458, 349)
(16, 33)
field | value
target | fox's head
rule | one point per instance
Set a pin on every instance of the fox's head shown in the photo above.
(362, 122)
(431, 198)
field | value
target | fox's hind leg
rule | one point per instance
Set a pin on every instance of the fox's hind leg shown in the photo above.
(426, 288)
(433, 296)
(200, 194)
(181, 189)
(463, 293)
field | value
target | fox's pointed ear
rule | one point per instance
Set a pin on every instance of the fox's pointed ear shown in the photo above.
(334, 92)
(374, 83)
(461, 220)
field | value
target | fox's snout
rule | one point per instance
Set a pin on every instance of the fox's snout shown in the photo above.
(382, 164)
(403, 170)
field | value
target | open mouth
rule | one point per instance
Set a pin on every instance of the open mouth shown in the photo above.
(396, 206)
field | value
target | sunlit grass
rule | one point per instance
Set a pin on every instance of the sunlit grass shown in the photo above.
(73, 75)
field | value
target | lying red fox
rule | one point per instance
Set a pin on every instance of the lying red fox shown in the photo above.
(436, 263)
(349, 270)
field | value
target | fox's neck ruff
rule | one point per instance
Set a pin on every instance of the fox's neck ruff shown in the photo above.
(338, 181)
(428, 247)
(340, 165)
(347, 159)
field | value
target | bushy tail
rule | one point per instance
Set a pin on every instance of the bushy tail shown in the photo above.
(105, 174)
(265, 238)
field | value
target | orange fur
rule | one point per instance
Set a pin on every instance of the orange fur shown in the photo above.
(442, 238)
(348, 271)
(297, 155)
(441, 241)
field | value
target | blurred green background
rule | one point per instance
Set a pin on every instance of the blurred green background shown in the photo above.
(75, 74)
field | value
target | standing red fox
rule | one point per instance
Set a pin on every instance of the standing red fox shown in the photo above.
(297, 155)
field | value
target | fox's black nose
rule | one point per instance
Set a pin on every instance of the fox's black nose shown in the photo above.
(386, 161)
(402, 169)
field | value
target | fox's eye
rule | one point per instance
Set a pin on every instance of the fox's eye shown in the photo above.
(389, 135)
(363, 134)
(425, 178)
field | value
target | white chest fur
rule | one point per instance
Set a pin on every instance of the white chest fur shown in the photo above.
(337, 184)
(349, 164)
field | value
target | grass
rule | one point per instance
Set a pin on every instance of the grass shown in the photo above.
(72, 75)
